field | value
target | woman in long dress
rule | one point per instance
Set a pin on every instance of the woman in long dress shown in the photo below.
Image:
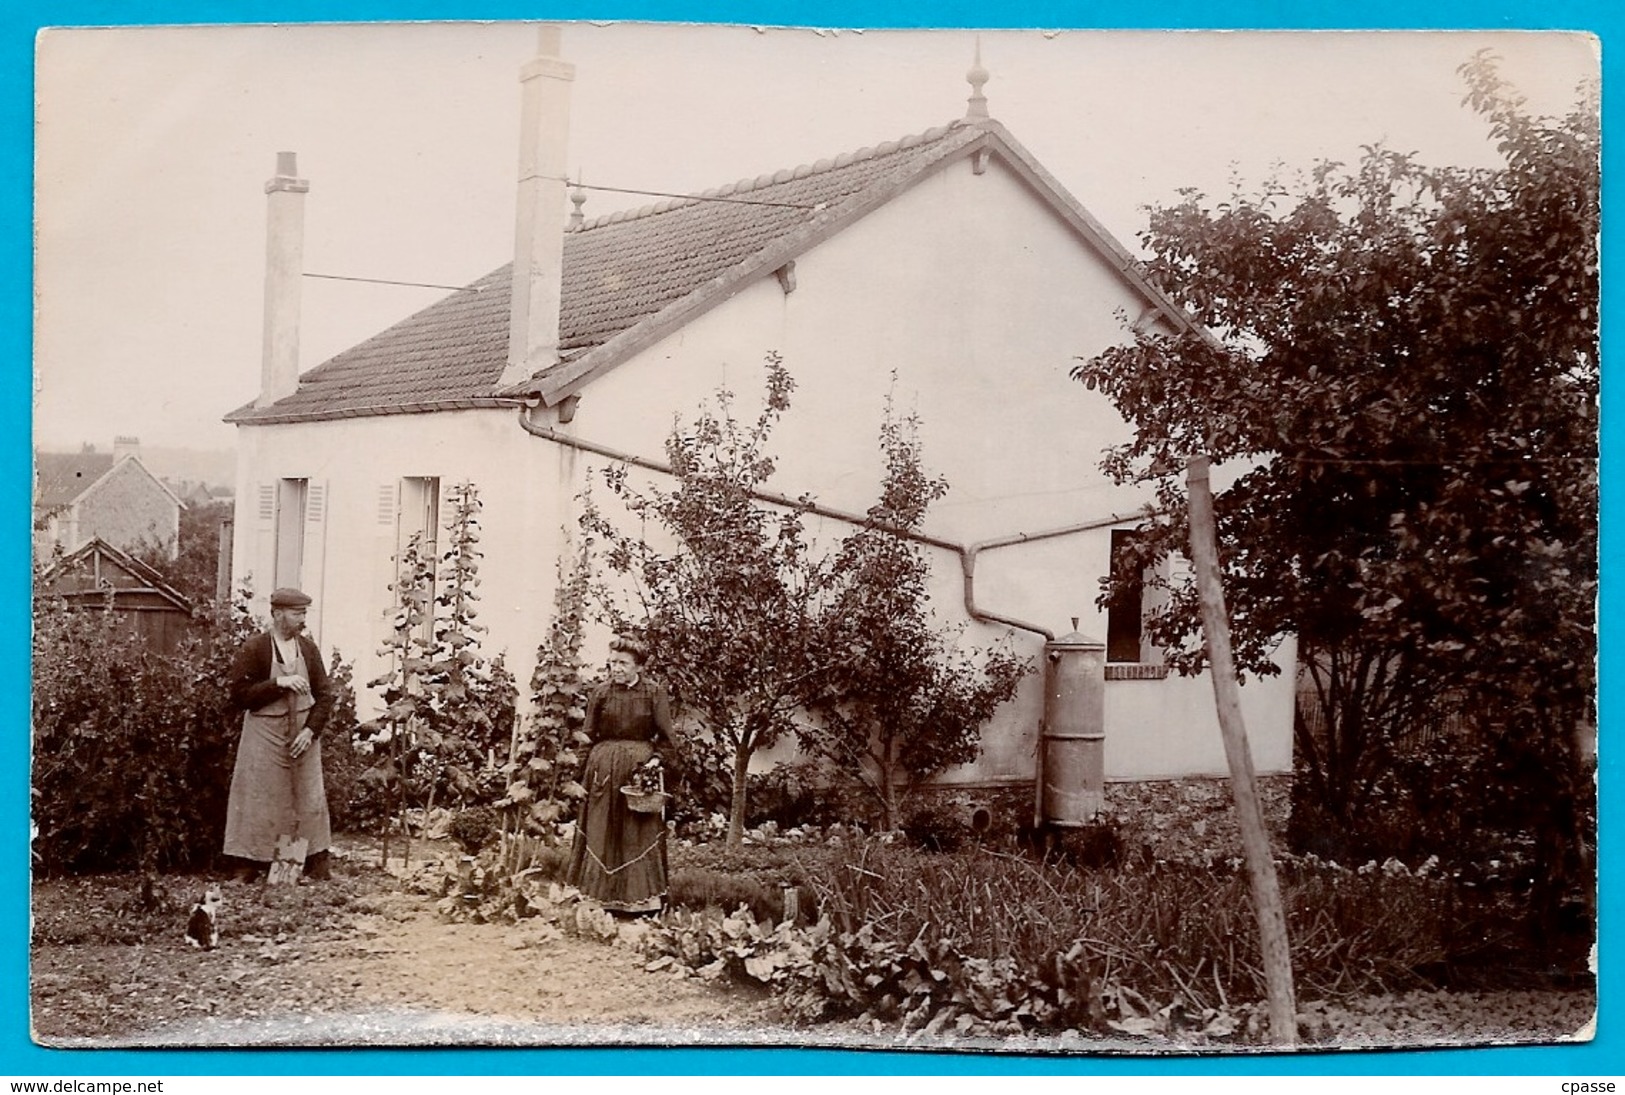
(619, 855)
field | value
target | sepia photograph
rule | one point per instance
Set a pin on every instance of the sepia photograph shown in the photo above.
(1076, 543)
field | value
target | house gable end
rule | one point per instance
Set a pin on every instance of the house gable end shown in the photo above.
(132, 465)
(987, 138)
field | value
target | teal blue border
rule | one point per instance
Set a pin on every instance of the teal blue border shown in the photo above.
(18, 24)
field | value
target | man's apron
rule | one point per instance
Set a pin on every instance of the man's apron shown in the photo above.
(273, 795)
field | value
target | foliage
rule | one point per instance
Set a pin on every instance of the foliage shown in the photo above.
(800, 793)
(648, 777)
(753, 627)
(549, 749)
(356, 805)
(978, 942)
(131, 747)
(392, 736)
(449, 708)
(1407, 358)
(763, 893)
(471, 696)
(731, 611)
(901, 702)
(194, 568)
(473, 828)
(937, 827)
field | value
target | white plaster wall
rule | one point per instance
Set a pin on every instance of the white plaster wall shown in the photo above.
(520, 480)
(1161, 729)
(977, 295)
(979, 298)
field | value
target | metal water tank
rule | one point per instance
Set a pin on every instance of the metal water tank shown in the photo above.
(1072, 749)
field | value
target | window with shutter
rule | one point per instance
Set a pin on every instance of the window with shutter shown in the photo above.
(291, 498)
(420, 509)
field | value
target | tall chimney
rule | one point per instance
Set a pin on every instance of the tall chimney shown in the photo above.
(538, 257)
(125, 446)
(284, 265)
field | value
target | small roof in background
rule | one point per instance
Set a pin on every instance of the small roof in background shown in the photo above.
(64, 476)
(97, 568)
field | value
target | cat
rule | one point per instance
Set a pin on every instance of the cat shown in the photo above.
(203, 926)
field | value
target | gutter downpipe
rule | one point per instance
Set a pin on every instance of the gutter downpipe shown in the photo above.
(967, 554)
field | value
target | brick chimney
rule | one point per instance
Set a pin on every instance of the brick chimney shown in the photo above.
(284, 266)
(538, 258)
(125, 446)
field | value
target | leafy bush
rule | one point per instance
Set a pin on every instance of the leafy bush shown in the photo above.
(355, 805)
(473, 828)
(939, 826)
(549, 750)
(132, 749)
(449, 708)
(796, 794)
(702, 889)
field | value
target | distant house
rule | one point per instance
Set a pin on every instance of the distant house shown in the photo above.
(195, 492)
(947, 270)
(98, 575)
(111, 496)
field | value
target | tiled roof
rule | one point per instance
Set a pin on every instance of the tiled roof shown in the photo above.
(64, 476)
(619, 270)
(632, 277)
(625, 267)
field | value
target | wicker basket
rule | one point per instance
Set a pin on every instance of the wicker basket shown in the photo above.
(645, 802)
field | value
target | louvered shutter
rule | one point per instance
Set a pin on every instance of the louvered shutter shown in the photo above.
(261, 574)
(313, 567)
(387, 531)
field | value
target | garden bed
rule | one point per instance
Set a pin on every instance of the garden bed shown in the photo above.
(364, 960)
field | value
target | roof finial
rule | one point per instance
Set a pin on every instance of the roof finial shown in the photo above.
(977, 76)
(578, 198)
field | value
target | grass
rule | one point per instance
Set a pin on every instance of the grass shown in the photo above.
(108, 909)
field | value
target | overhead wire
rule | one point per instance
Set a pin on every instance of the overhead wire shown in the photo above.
(726, 199)
(411, 284)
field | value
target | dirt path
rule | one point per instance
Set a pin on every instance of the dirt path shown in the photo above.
(359, 962)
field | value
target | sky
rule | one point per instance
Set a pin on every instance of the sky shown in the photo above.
(153, 145)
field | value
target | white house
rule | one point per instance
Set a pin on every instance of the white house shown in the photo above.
(949, 258)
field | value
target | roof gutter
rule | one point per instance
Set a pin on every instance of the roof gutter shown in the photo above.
(967, 554)
(967, 562)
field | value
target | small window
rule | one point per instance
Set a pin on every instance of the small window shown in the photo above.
(289, 565)
(1125, 617)
(419, 515)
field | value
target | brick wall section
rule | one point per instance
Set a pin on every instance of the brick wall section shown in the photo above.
(128, 509)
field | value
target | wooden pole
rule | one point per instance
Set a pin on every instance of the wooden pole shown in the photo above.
(1255, 840)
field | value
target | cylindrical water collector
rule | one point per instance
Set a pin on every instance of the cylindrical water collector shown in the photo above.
(1072, 758)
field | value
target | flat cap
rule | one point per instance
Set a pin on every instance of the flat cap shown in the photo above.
(288, 597)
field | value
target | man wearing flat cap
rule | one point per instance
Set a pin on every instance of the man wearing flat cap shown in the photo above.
(278, 680)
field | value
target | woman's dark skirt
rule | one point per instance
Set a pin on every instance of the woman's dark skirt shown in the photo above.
(619, 856)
